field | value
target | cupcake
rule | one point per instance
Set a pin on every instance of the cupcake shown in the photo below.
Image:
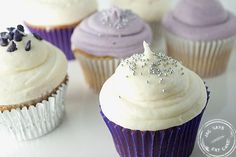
(55, 20)
(152, 106)
(151, 11)
(103, 39)
(33, 80)
(201, 34)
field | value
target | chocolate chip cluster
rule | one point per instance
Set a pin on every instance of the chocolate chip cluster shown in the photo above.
(15, 35)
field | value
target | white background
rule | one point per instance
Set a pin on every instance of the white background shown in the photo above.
(83, 133)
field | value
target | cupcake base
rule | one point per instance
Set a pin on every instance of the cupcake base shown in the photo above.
(173, 142)
(58, 36)
(26, 122)
(208, 59)
(96, 69)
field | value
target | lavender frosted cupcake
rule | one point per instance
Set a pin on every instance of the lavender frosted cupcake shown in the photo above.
(55, 20)
(151, 11)
(201, 34)
(159, 110)
(33, 80)
(103, 39)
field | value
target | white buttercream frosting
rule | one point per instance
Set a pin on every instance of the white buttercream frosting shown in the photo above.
(29, 75)
(151, 91)
(149, 10)
(57, 12)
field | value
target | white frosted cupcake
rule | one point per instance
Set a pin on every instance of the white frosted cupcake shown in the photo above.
(153, 105)
(33, 80)
(55, 20)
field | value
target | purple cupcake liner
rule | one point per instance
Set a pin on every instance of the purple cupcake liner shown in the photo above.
(173, 142)
(58, 37)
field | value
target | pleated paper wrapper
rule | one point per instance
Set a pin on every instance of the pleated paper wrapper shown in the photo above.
(35, 121)
(208, 59)
(59, 37)
(173, 142)
(97, 70)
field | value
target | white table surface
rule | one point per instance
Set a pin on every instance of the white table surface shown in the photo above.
(83, 132)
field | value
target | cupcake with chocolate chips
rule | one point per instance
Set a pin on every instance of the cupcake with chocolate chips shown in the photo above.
(153, 105)
(55, 20)
(33, 80)
(201, 34)
(103, 39)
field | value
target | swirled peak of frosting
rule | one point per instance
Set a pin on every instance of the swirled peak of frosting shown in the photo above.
(29, 67)
(201, 20)
(151, 91)
(113, 32)
(56, 12)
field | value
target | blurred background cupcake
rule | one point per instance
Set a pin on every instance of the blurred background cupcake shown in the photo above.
(103, 39)
(33, 80)
(151, 11)
(201, 34)
(159, 110)
(55, 20)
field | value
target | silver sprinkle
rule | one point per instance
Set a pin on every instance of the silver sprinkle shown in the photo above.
(120, 97)
(161, 80)
(163, 90)
(147, 82)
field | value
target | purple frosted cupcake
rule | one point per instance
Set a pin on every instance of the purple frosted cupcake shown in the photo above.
(201, 34)
(159, 110)
(103, 39)
(55, 20)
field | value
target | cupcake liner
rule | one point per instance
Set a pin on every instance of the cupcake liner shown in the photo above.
(35, 121)
(173, 142)
(208, 59)
(97, 70)
(59, 37)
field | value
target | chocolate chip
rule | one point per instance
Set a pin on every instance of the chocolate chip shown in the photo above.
(20, 28)
(28, 46)
(12, 47)
(10, 36)
(37, 36)
(10, 29)
(17, 36)
(3, 42)
(3, 35)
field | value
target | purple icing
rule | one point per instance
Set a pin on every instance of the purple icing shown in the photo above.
(113, 32)
(200, 20)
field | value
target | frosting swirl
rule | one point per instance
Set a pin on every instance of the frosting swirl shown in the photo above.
(201, 20)
(113, 32)
(56, 12)
(32, 69)
(151, 91)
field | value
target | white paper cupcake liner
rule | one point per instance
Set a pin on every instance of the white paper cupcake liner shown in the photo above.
(35, 121)
(97, 71)
(208, 59)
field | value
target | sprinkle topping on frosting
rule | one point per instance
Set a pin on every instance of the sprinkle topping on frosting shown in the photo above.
(116, 17)
(161, 66)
